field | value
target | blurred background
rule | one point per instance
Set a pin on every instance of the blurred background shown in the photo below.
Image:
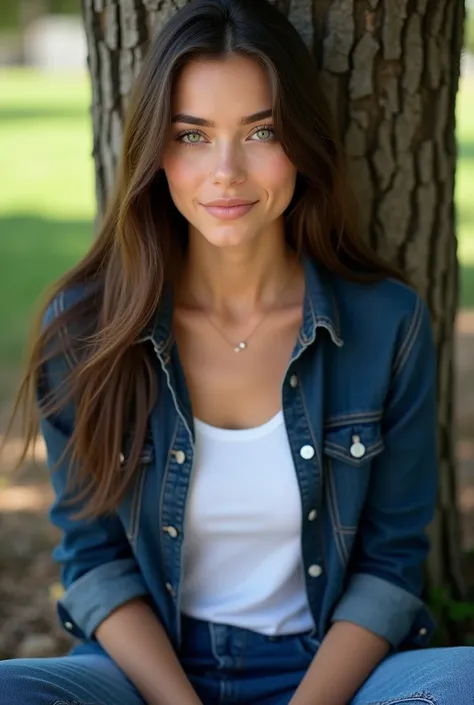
(47, 207)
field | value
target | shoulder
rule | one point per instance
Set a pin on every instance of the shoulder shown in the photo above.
(387, 303)
(64, 301)
(388, 297)
(68, 318)
(385, 320)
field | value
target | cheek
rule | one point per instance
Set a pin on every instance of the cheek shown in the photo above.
(276, 174)
(181, 172)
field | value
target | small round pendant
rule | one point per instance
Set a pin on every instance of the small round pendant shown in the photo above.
(241, 346)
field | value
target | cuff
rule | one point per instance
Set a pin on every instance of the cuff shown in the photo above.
(97, 593)
(379, 606)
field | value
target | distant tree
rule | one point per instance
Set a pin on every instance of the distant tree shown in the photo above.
(390, 69)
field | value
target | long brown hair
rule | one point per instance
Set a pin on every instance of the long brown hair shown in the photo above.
(142, 235)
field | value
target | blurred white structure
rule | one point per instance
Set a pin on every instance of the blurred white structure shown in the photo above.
(56, 42)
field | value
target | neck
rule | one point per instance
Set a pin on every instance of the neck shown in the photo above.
(236, 281)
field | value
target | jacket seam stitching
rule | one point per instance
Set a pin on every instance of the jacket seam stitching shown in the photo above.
(407, 345)
(313, 437)
(59, 309)
(409, 350)
(136, 507)
(163, 486)
(334, 515)
(319, 489)
(72, 702)
(341, 419)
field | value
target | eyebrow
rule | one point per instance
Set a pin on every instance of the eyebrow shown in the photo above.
(200, 122)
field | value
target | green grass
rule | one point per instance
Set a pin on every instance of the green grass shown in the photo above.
(47, 195)
(465, 190)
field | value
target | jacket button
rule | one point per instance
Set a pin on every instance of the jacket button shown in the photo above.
(171, 531)
(307, 452)
(314, 571)
(69, 625)
(180, 457)
(313, 515)
(170, 589)
(357, 449)
(423, 631)
(121, 458)
(293, 381)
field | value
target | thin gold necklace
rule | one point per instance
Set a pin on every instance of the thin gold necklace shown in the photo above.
(243, 344)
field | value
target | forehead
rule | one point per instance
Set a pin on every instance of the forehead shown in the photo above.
(221, 89)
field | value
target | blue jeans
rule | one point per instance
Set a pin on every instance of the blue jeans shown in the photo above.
(230, 665)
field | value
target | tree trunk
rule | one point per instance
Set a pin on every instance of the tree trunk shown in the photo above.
(390, 69)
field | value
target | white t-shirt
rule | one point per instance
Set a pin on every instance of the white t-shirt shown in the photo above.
(242, 561)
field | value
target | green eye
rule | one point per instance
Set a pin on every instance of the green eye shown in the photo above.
(191, 138)
(264, 134)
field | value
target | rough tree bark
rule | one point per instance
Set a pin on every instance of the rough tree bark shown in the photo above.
(390, 69)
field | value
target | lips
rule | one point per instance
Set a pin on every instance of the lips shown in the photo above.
(229, 208)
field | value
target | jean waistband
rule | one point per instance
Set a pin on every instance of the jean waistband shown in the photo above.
(199, 636)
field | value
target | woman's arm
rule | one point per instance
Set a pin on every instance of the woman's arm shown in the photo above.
(326, 682)
(105, 596)
(135, 639)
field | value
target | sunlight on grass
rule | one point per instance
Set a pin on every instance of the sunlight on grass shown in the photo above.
(46, 145)
(465, 172)
(47, 200)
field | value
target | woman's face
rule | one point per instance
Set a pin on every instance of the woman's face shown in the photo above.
(227, 173)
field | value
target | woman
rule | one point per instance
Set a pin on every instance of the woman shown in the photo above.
(238, 403)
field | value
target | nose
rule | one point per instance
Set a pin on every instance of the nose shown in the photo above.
(230, 165)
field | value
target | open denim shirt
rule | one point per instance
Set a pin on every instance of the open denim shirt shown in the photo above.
(359, 404)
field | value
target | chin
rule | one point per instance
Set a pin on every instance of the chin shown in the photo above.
(228, 238)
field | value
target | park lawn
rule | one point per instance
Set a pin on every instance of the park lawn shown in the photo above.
(465, 190)
(47, 196)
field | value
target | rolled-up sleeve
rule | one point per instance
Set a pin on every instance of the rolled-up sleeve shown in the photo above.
(98, 569)
(386, 569)
(94, 596)
(99, 572)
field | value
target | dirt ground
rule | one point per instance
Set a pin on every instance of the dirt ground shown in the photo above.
(29, 579)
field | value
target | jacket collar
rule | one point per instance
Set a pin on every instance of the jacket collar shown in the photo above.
(319, 311)
(320, 308)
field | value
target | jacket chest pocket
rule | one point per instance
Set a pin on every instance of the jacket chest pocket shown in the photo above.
(349, 449)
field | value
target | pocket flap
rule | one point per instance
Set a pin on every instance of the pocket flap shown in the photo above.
(355, 444)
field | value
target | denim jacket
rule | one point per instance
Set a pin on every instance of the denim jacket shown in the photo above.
(359, 404)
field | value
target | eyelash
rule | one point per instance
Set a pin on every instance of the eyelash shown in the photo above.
(179, 138)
